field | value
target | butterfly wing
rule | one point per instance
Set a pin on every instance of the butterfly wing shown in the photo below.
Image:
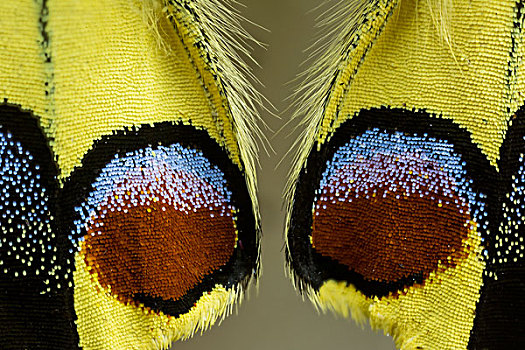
(147, 166)
(397, 201)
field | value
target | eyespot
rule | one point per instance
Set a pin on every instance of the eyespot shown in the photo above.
(157, 221)
(388, 201)
(391, 206)
(161, 215)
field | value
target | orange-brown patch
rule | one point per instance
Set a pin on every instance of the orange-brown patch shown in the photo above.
(159, 252)
(388, 238)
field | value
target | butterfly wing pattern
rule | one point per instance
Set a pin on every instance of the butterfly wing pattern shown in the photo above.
(406, 202)
(128, 208)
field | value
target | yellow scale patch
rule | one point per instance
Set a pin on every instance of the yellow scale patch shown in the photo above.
(111, 71)
(22, 77)
(409, 66)
(104, 322)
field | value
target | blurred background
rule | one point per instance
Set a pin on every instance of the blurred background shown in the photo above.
(276, 317)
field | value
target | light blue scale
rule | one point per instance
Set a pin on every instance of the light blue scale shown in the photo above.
(362, 176)
(187, 181)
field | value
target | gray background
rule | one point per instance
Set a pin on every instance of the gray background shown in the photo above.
(276, 317)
